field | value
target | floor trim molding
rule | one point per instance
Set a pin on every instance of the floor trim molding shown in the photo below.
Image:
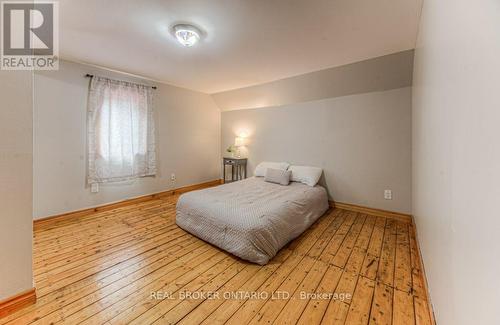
(14, 303)
(114, 205)
(401, 217)
(372, 211)
(424, 275)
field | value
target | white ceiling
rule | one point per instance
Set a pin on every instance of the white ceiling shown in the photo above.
(247, 42)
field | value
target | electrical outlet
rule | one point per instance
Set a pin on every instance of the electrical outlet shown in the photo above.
(172, 177)
(94, 188)
(388, 194)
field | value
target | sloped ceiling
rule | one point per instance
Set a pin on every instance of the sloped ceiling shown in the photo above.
(246, 42)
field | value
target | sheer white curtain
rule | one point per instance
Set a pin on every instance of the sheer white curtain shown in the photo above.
(121, 133)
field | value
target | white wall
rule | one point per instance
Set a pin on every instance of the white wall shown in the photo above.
(16, 182)
(456, 157)
(362, 141)
(188, 140)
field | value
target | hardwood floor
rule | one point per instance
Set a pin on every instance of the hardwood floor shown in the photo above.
(133, 265)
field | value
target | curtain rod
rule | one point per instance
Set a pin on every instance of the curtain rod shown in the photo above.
(92, 76)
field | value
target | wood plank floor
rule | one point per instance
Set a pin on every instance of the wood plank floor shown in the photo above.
(133, 265)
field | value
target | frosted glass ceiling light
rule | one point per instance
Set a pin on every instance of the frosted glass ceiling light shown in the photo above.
(187, 35)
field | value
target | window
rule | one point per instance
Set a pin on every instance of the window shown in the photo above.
(121, 136)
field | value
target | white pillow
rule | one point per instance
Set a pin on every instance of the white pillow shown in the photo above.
(261, 168)
(278, 176)
(306, 174)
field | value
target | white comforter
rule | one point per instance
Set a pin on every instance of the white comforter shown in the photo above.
(252, 219)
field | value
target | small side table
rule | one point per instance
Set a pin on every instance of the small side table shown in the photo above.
(238, 168)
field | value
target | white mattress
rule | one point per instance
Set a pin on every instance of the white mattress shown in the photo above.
(252, 219)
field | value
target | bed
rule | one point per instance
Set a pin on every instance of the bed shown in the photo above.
(252, 219)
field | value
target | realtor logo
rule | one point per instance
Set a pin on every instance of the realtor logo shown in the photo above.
(30, 38)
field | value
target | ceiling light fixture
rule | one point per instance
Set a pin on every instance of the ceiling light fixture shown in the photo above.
(187, 35)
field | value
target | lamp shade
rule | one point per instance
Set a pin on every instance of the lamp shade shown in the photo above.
(239, 142)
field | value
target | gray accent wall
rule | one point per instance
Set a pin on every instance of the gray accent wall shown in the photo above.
(354, 121)
(378, 74)
(362, 142)
(188, 141)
